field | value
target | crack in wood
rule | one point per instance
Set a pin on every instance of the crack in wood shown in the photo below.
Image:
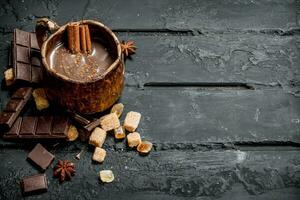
(196, 31)
(233, 85)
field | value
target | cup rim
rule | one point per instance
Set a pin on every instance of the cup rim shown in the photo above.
(62, 29)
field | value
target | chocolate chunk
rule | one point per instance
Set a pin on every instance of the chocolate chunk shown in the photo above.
(91, 126)
(26, 59)
(14, 107)
(79, 119)
(42, 127)
(40, 157)
(34, 184)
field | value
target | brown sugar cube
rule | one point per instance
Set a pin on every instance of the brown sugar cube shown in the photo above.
(109, 122)
(9, 76)
(144, 147)
(72, 133)
(99, 154)
(97, 137)
(133, 139)
(118, 109)
(40, 98)
(119, 132)
(132, 121)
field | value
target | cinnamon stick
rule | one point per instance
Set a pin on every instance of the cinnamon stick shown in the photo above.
(88, 39)
(70, 38)
(82, 38)
(77, 40)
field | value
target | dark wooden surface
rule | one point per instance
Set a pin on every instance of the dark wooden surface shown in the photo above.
(218, 86)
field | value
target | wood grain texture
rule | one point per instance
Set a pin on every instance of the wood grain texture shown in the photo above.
(255, 59)
(217, 83)
(191, 114)
(217, 15)
(166, 174)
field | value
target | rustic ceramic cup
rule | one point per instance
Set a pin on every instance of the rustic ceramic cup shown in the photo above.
(82, 97)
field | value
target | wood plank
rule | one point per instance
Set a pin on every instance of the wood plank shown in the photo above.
(163, 14)
(193, 115)
(169, 174)
(256, 59)
(197, 115)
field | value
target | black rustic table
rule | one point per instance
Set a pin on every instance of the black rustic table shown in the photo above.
(218, 87)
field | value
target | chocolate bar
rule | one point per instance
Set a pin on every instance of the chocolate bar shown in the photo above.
(42, 127)
(40, 157)
(34, 184)
(26, 59)
(14, 107)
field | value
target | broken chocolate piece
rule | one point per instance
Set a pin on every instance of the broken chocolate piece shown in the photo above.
(42, 127)
(40, 157)
(26, 59)
(14, 107)
(34, 184)
(79, 119)
(92, 125)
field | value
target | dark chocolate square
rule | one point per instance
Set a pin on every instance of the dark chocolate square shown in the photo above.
(35, 58)
(15, 129)
(22, 93)
(34, 184)
(23, 54)
(23, 71)
(33, 41)
(44, 125)
(60, 125)
(22, 37)
(36, 74)
(41, 157)
(14, 105)
(5, 117)
(28, 126)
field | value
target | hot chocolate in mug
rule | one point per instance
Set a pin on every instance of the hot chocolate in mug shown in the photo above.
(83, 83)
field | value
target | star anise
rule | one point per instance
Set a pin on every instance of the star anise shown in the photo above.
(128, 48)
(64, 170)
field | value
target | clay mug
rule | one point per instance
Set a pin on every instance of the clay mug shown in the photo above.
(81, 97)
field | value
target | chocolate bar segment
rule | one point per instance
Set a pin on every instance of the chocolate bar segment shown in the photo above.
(34, 184)
(40, 157)
(28, 126)
(26, 58)
(42, 127)
(14, 107)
